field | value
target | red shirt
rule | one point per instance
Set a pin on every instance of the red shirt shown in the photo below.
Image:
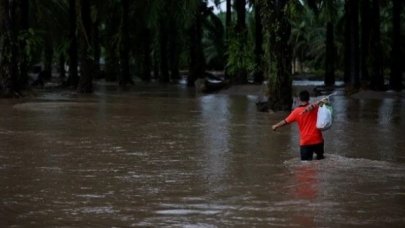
(309, 134)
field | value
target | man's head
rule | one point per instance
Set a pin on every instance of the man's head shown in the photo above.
(304, 96)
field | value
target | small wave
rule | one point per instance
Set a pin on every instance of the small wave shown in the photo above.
(90, 196)
(46, 106)
(349, 170)
(92, 210)
(357, 163)
(191, 208)
(186, 212)
(6, 132)
(333, 160)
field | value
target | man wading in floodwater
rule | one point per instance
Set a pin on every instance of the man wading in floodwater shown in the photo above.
(311, 140)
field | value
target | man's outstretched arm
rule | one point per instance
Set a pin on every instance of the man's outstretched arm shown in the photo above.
(279, 124)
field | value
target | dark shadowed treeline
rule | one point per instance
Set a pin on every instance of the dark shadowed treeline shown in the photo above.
(123, 41)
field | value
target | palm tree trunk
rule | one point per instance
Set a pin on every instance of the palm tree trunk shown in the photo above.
(62, 71)
(330, 56)
(48, 57)
(240, 16)
(23, 79)
(197, 59)
(73, 78)
(241, 34)
(86, 63)
(377, 78)
(352, 78)
(228, 22)
(111, 63)
(125, 77)
(146, 74)
(346, 76)
(174, 53)
(14, 47)
(111, 48)
(396, 74)
(258, 75)
(97, 48)
(278, 55)
(163, 42)
(365, 40)
(228, 17)
(9, 65)
(156, 70)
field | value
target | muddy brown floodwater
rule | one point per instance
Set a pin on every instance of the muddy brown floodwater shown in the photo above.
(167, 157)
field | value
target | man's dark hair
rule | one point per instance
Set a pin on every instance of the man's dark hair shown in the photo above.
(304, 95)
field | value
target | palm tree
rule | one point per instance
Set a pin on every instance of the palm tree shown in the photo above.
(125, 77)
(9, 74)
(228, 17)
(24, 26)
(315, 46)
(197, 58)
(165, 17)
(240, 76)
(73, 78)
(177, 19)
(96, 38)
(228, 23)
(41, 38)
(351, 74)
(214, 41)
(377, 78)
(174, 51)
(329, 13)
(163, 47)
(303, 32)
(143, 27)
(396, 75)
(278, 53)
(365, 40)
(258, 74)
(147, 51)
(110, 39)
(86, 63)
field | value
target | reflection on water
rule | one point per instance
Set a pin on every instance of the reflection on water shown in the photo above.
(215, 119)
(169, 157)
(306, 180)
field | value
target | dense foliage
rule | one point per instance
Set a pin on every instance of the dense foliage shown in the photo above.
(79, 41)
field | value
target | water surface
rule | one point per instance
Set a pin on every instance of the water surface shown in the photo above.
(162, 157)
